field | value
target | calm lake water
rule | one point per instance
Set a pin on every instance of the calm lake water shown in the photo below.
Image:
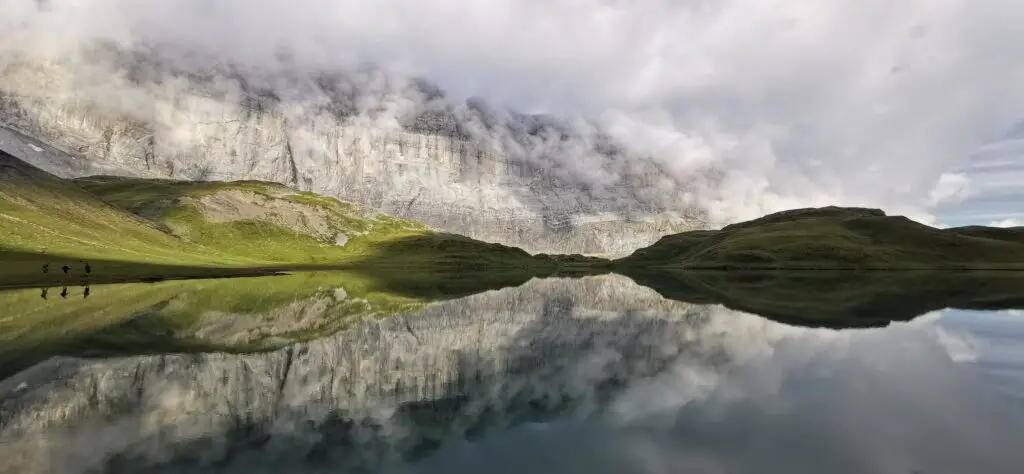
(330, 373)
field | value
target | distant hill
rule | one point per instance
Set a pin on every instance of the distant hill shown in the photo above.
(835, 238)
(1008, 234)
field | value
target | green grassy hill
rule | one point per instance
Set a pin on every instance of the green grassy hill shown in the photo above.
(1008, 234)
(834, 238)
(251, 219)
(41, 213)
(129, 228)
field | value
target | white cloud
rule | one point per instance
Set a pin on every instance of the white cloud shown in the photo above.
(951, 187)
(858, 102)
(1006, 223)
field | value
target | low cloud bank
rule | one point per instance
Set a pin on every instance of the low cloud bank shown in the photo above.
(742, 107)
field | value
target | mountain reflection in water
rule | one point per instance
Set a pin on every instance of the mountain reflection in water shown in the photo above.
(558, 375)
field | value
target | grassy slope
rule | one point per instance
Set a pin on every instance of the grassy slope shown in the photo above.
(40, 213)
(1009, 234)
(834, 238)
(132, 228)
(174, 206)
(375, 241)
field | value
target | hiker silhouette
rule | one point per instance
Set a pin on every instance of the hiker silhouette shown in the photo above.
(88, 269)
(64, 294)
(85, 294)
(65, 268)
(43, 294)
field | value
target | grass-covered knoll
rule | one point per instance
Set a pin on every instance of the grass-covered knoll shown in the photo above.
(1008, 234)
(43, 214)
(251, 218)
(834, 238)
(300, 229)
(841, 299)
(130, 229)
(232, 315)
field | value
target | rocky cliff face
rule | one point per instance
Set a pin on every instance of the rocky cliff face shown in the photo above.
(496, 176)
(379, 393)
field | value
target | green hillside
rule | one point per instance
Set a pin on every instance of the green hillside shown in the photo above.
(834, 238)
(41, 213)
(251, 219)
(130, 228)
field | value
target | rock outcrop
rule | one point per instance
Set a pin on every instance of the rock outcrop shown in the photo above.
(465, 168)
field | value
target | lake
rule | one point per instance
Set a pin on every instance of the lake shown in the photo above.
(335, 372)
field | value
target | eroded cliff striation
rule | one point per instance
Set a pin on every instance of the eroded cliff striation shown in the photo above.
(404, 149)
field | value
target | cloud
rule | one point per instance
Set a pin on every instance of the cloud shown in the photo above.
(1006, 223)
(785, 104)
(951, 187)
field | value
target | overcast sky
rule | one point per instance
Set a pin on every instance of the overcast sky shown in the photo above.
(996, 194)
(808, 102)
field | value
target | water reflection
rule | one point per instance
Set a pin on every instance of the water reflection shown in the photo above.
(235, 315)
(45, 292)
(880, 401)
(842, 299)
(558, 375)
(992, 340)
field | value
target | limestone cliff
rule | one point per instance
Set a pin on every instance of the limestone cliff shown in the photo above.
(461, 167)
(378, 393)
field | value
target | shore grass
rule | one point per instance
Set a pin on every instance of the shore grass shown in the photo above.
(21, 269)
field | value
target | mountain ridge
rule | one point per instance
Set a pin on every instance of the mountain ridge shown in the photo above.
(463, 167)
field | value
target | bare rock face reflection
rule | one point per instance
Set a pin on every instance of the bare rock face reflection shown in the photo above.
(389, 389)
(559, 375)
